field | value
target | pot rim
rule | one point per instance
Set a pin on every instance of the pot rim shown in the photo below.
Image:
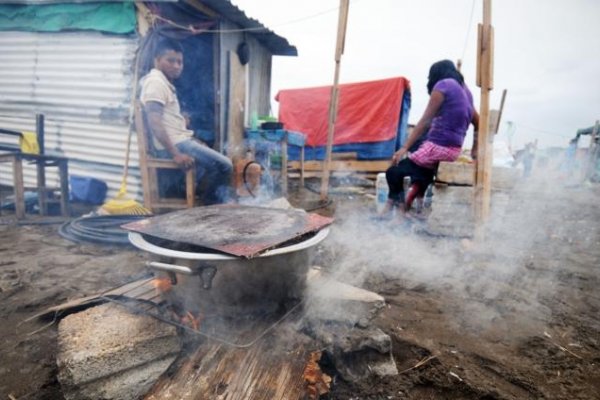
(138, 241)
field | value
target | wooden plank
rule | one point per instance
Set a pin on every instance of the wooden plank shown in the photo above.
(344, 156)
(484, 150)
(284, 163)
(236, 106)
(18, 187)
(40, 167)
(344, 165)
(142, 289)
(63, 173)
(271, 369)
(190, 187)
(143, 155)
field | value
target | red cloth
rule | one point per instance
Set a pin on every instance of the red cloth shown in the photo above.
(367, 111)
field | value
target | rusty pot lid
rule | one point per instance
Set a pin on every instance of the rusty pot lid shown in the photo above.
(243, 231)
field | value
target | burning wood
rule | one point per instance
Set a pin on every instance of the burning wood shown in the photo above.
(190, 320)
(318, 382)
(163, 285)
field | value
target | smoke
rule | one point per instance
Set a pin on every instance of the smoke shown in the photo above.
(510, 276)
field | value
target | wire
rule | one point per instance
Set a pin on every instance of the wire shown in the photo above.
(468, 32)
(255, 29)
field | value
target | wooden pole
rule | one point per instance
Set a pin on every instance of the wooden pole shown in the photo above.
(333, 102)
(484, 151)
(501, 110)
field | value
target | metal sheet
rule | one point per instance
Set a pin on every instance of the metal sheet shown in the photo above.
(243, 231)
(82, 82)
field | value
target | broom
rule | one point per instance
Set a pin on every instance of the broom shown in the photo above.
(121, 204)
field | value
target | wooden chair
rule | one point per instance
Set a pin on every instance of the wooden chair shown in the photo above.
(149, 167)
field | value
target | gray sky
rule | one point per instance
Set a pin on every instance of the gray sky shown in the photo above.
(547, 53)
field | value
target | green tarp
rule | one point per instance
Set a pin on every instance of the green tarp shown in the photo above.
(104, 17)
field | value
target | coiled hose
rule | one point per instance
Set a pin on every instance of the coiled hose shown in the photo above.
(104, 229)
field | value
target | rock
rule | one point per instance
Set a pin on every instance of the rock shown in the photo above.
(330, 300)
(358, 353)
(106, 352)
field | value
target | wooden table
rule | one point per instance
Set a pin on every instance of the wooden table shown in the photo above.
(41, 161)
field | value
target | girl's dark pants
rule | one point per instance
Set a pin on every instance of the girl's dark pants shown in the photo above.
(395, 178)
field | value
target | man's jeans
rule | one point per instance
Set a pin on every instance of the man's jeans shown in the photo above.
(211, 167)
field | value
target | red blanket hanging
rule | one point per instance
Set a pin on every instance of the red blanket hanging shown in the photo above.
(367, 111)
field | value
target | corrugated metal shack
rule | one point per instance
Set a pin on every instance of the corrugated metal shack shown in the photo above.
(74, 62)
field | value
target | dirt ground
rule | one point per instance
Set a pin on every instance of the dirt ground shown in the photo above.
(516, 317)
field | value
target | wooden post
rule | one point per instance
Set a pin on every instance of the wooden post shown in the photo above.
(484, 150)
(333, 102)
(501, 110)
(19, 187)
(284, 164)
(63, 173)
(40, 164)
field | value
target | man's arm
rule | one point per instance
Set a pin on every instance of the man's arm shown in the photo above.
(154, 111)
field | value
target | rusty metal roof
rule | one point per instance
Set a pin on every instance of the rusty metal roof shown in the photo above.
(276, 44)
(243, 231)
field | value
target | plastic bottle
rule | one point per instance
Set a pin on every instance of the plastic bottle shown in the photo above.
(381, 191)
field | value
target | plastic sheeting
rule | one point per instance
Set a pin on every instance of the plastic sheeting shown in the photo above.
(103, 17)
(367, 111)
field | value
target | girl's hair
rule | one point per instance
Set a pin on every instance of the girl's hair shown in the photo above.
(442, 70)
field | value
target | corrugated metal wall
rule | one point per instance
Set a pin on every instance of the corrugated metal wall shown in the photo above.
(82, 83)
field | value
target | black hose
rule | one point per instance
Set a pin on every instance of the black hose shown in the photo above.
(105, 229)
(246, 185)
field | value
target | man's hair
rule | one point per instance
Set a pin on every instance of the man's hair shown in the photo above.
(165, 44)
(442, 70)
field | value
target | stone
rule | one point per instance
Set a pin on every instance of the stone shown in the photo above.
(331, 300)
(358, 354)
(106, 352)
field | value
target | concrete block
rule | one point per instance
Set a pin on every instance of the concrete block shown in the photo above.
(126, 385)
(453, 194)
(456, 173)
(109, 347)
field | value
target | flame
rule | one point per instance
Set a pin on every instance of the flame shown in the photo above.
(163, 285)
(191, 321)
(318, 382)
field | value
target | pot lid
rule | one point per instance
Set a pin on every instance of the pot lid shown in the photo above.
(243, 231)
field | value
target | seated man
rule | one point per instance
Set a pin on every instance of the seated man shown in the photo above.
(171, 138)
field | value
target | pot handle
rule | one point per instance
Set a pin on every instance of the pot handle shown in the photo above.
(169, 268)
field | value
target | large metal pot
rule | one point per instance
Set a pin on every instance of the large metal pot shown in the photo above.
(212, 282)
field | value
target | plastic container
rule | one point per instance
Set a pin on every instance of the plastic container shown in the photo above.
(381, 191)
(87, 190)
